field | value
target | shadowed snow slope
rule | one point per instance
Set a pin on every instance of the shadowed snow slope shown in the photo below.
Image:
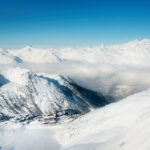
(3, 80)
(28, 93)
(123, 125)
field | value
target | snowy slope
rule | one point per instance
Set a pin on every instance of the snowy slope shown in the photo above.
(28, 93)
(123, 125)
(34, 55)
(7, 58)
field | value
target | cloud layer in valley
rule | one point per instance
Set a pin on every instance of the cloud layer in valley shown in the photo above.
(116, 70)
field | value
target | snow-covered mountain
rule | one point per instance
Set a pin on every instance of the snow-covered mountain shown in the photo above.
(113, 70)
(34, 55)
(119, 70)
(7, 58)
(134, 53)
(28, 93)
(131, 53)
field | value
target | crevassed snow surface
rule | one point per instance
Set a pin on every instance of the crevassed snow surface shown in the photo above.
(123, 125)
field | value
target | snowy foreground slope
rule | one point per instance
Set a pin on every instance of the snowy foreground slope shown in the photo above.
(123, 125)
(23, 92)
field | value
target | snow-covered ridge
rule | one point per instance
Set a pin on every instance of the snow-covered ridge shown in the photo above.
(7, 58)
(34, 55)
(28, 93)
(131, 53)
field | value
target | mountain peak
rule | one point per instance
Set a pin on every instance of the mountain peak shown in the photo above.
(31, 93)
(28, 47)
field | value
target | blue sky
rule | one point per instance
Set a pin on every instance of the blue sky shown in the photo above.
(52, 23)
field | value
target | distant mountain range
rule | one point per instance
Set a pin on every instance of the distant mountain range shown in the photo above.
(131, 53)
